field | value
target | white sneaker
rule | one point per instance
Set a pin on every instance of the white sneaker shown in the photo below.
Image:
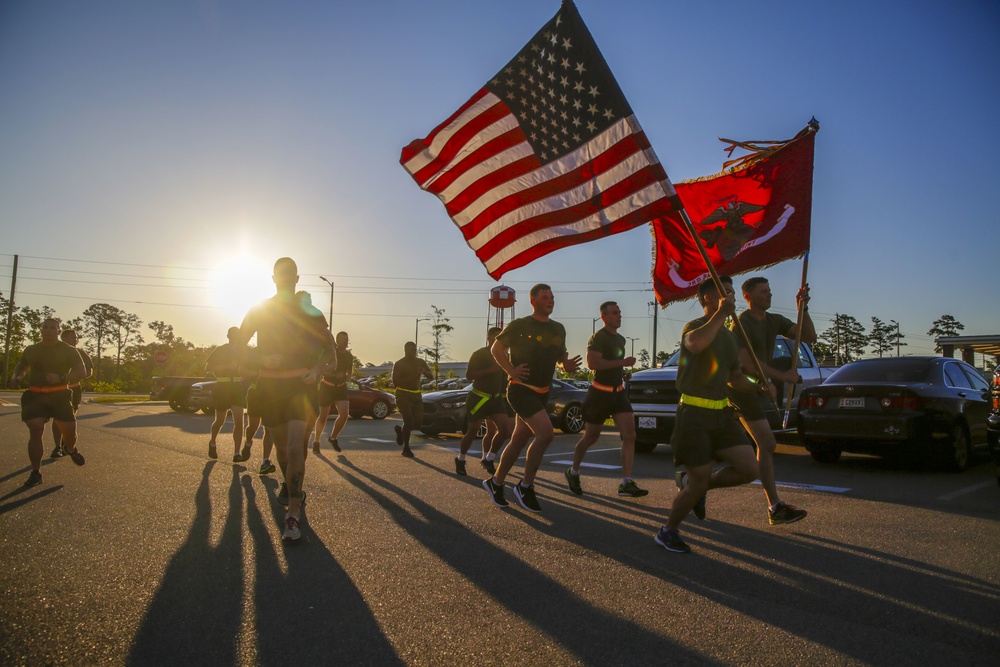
(292, 531)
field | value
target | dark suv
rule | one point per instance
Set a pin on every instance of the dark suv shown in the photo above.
(993, 422)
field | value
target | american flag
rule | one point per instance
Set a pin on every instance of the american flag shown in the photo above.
(548, 154)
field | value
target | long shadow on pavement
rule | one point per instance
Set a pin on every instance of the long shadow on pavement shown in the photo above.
(194, 617)
(510, 581)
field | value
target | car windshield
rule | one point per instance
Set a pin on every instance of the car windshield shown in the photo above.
(896, 369)
(674, 360)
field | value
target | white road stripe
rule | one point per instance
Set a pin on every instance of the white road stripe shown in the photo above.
(587, 465)
(811, 487)
(966, 490)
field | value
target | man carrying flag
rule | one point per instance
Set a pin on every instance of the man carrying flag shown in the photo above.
(546, 155)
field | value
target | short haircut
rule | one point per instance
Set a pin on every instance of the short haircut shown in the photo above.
(52, 319)
(750, 283)
(233, 332)
(493, 331)
(540, 287)
(66, 333)
(709, 287)
(341, 333)
(286, 265)
(409, 344)
(606, 305)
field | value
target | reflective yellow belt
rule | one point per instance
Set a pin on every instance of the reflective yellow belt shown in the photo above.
(342, 384)
(412, 391)
(75, 385)
(484, 397)
(607, 387)
(283, 375)
(537, 390)
(707, 403)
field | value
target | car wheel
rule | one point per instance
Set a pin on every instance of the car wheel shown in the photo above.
(960, 452)
(573, 419)
(645, 446)
(380, 410)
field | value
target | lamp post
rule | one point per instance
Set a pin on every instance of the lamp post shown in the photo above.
(593, 328)
(330, 283)
(416, 330)
(633, 345)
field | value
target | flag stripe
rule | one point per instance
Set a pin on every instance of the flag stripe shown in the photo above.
(426, 149)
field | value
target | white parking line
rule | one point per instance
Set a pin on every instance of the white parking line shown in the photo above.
(968, 489)
(811, 487)
(376, 440)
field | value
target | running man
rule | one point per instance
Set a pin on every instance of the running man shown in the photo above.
(762, 328)
(294, 346)
(705, 430)
(485, 402)
(607, 398)
(528, 350)
(54, 366)
(406, 376)
(228, 395)
(333, 390)
(68, 336)
(253, 425)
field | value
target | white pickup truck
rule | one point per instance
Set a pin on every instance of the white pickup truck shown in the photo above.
(653, 394)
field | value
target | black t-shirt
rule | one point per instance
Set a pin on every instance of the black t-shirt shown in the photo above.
(224, 361)
(540, 345)
(611, 346)
(490, 383)
(407, 372)
(289, 326)
(345, 368)
(762, 333)
(706, 374)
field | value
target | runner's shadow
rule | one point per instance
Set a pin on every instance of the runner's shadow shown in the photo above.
(509, 582)
(315, 598)
(13, 505)
(194, 616)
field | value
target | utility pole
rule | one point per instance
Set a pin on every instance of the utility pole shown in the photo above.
(656, 316)
(416, 331)
(330, 283)
(836, 337)
(10, 323)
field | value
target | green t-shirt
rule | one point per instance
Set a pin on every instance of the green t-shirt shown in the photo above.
(707, 374)
(540, 345)
(762, 333)
(611, 346)
(43, 359)
(491, 383)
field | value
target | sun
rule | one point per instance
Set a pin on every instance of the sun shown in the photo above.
(239, 283)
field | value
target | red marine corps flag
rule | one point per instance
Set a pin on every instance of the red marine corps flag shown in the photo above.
(546, 155)
(754, 215)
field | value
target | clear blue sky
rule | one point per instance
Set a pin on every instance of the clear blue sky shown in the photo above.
(146, 146)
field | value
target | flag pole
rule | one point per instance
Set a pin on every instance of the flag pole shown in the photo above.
(798, 342)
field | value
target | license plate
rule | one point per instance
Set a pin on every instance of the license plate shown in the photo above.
(852, 403)
(647, 422)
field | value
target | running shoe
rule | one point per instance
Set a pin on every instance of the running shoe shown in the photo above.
(34, 479)
(574, 482)
(238, 458)
(245, 452)
(491, 466)
(407, 452)
(212, 452)
(459, 467)
(399, 435)
(630, 488)
(525, 496)
(671, 541)
(266, 467)
(292, 531)
(681, 478)
(496, 492)
(58, 452)
(785, 514)
(335, 443)
(77, 456)
(316, 447)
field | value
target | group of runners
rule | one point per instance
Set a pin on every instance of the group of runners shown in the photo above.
(302, 372)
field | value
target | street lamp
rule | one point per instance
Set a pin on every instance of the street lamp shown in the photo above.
(330, 283)
(593, 329)
(416, 330)
(633, 345)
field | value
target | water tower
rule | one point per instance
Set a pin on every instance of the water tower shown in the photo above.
(501, 300)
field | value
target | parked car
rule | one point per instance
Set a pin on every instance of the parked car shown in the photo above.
(654, 396)
(175, 390)
(919, 407)
(364, 402)
(993, 422)
(579, 384)
(444, 411)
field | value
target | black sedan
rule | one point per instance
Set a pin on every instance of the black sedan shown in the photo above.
(444, 411)
(364, 402)
(927, 408)
(993, 422)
